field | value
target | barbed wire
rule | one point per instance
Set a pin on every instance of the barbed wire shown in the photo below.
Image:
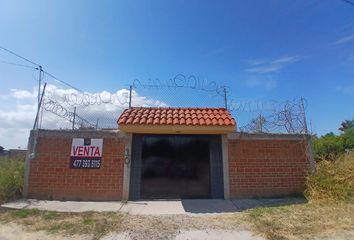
(287, 117)
(73, 98)
(100, 110)
(62, 112)
(179, 81)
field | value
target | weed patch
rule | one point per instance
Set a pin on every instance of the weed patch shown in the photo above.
(24, 213)
(333, 181)
(87, 221)
(11, 178)
(304, 221)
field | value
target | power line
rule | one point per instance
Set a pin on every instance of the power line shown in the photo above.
(17, 55)
(17, 64)
(61, 81)
(39, 67)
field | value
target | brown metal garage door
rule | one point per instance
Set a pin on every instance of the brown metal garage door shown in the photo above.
(176, 166)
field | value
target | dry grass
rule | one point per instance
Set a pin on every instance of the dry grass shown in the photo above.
(94, 224)
(99, 224)
(333, 181)
(330, 210)
(304, 221)
(11, 178)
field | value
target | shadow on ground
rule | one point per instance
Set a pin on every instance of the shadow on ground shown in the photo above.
(237, 205)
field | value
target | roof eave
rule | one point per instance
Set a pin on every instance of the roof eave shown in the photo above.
(176, 129)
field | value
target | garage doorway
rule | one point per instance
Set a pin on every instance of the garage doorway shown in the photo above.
(176, 167)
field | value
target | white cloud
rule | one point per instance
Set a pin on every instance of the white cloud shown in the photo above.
(264, 69)
(268, 66)
(286, 60)
(22, 94)
(343, 40)
(13, 138)
(17, 117)
(262, 72)
(4, 96)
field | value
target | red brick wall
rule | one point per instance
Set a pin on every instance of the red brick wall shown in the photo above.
(50, 176)
(257, 167)
(267, 167)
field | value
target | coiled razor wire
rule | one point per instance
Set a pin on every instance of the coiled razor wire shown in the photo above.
(269, 116)
(289, 117)
(74, 98)
(57, 109)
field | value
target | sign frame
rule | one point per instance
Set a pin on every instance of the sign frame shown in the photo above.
(86, 153)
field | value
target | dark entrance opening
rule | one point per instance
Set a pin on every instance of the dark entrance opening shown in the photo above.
(175, 166)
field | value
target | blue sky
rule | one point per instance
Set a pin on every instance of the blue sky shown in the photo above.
(262, 50)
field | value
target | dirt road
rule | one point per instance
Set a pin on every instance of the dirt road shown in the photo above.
(16, 232)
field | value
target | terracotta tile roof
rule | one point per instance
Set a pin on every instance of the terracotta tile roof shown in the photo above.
(177, 116)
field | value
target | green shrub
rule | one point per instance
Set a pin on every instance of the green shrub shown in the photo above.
(333, 180)
(331, 146)
(11, 178)
(328, 147)
(348, 138)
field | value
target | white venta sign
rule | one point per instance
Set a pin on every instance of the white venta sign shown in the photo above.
(86, 153)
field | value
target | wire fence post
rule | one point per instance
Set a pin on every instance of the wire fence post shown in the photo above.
(304, 115)
(73, 127)
(130, 96)
(35, 125)
(39, 95)
(39, 83)
(225, 98)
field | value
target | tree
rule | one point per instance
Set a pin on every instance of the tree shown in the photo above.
(348, 138)
(347, 124)
(328, 147)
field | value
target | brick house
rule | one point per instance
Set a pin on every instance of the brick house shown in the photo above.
(165, 153)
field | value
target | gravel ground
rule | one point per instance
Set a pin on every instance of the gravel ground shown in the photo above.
(292, 222)
(16, 232)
